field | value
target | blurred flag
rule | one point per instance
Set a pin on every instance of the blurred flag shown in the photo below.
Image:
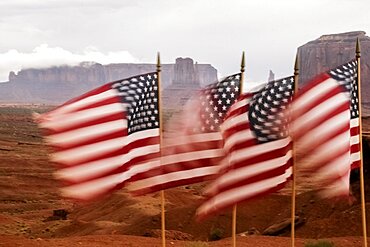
(192, 149)
(99, 136)
(258, 148)
(325, 128)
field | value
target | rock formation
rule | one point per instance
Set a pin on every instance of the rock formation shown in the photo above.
(332, 50)
(58, 84)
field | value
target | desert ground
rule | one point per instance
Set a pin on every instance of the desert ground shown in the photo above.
(32, 213)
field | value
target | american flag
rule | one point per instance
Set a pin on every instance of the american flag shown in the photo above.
(325, 128)
(347, 76)
(258, 148)
(100, 136)
(192, 151)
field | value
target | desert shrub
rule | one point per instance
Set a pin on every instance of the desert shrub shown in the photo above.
(215, 234)
(320, 243)
(196, 244)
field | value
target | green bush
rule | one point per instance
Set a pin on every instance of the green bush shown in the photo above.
(216, 234)
(197, 244)
(320, 243)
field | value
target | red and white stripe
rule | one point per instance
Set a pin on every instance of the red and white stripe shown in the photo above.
(321, 130)
(187, 157)
(93, 152)
(355, 143)
(251, 169)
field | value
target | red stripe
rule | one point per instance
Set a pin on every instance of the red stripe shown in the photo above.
(123, 168)
(177, 167)
(356, 164)
(88, 140)
(227, 133)
(96, 91)
(256, 178)
(267, 155)
(100, 120)
(329, 157)
(322, 140)
(246, 198)
(312, 104)
(355, 148)
(172, 184)
(320, 120)
(313, 83)
(108, 101)
(120, 150)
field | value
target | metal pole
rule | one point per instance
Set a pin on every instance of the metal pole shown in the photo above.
(242, 69)
(362, 183)
(296, 75)
(163, 219)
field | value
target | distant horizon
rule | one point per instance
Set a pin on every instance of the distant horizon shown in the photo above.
(48, 32)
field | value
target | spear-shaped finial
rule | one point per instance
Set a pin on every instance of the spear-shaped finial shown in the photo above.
(242, 66)
(158, 62)
(358, 53)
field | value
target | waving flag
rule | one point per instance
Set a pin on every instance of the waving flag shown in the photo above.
(325, 128)
(99, 136)
(193, 147)
(258, 148)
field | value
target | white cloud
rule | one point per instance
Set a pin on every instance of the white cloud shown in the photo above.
(44, 56)
(208, 31)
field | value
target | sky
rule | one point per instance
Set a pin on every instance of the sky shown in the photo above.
(42, 33)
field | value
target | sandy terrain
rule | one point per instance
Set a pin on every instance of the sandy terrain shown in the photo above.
(29, 194)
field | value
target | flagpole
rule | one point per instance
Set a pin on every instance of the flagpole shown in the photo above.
(358, 56)
(296, 78)
(163, 220)
(242, 69)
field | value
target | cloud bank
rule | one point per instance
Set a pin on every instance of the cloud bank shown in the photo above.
(44, 56)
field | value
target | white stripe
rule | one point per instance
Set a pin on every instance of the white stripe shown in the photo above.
(188, 139)
(75, 155)
(323, 150)
(70, 119)
(339, 187)
(334, 168)
(308, 119)
(191, 156)
(234, 121)
(259, 149)
(246, 153)
(88, 190)
(354, 122)
(177, 158)
(355, 140)
(236, 138)
(87, 133)
(173, 176)
(315, 93)
(94, 168)
(355, 157)
(316, 136)
(241, 193)
(239, 104)
(83, 102)
(248, 171)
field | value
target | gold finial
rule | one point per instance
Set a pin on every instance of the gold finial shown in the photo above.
(296, 65)
(358, 54)
(158, 62)
(242, 66)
